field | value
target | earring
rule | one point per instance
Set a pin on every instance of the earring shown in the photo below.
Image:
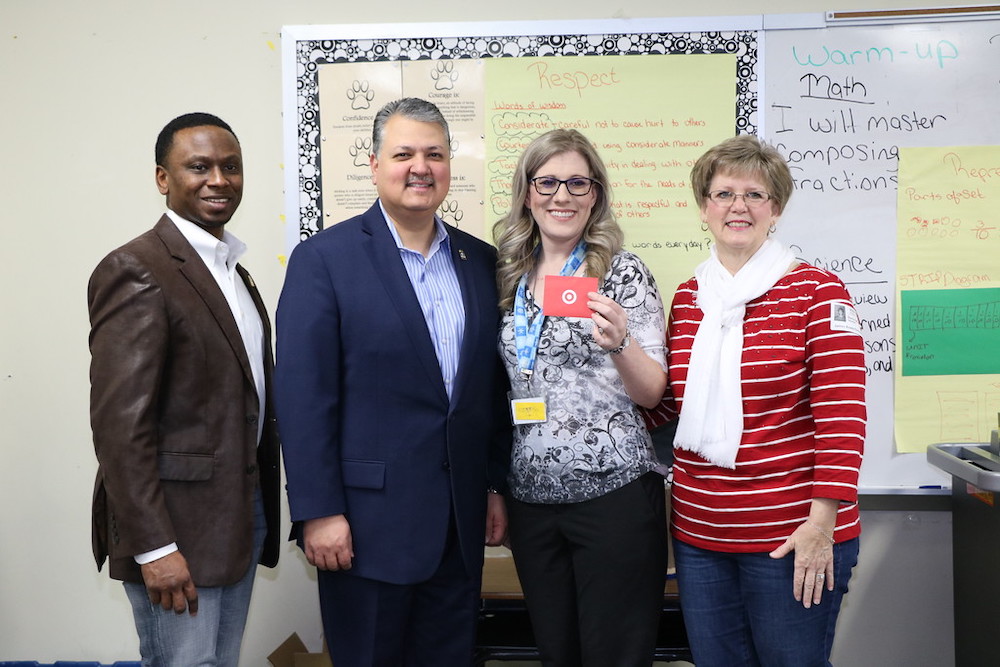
(771, 229)
(704, 226)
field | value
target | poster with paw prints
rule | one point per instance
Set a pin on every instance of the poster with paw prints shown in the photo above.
(350, 96)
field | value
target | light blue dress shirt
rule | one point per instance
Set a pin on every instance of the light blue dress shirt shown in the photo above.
(435, 283)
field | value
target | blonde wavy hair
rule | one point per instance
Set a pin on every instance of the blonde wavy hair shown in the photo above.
(516, 234)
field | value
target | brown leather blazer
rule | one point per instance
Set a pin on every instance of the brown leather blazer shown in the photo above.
(174, 413)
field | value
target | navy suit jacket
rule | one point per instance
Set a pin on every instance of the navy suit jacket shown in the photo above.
(367, 427)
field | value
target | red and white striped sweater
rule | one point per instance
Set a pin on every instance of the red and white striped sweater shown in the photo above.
(803, 382)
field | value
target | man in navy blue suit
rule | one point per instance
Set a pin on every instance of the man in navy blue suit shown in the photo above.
(391, 408)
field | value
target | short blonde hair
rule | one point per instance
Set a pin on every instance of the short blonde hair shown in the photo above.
(744, 155)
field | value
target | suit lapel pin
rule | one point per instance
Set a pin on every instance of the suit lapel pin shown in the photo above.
(461, 253)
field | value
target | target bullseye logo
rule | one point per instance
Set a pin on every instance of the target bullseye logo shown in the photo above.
(566, 296)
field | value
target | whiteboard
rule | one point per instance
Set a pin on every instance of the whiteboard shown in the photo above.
(838, 102)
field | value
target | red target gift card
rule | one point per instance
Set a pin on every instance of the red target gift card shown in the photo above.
(566, 296)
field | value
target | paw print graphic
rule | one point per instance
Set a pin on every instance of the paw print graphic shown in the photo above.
(444, 75)
(360, 151)
(450, 212)
(360, 95)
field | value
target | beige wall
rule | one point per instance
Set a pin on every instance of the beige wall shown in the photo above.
(85, 87)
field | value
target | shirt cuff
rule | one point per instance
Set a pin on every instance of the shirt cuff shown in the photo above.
(155, 554)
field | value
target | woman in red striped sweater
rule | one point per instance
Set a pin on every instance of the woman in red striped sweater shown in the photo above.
(767, 373)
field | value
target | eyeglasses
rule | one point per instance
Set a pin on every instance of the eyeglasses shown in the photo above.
(577, 186)
(728, 198)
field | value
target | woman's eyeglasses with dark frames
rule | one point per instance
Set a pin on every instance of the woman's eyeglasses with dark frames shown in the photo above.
(577, 186)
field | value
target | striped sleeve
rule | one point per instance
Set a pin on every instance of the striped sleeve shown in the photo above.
(666, 410)
(835, 359)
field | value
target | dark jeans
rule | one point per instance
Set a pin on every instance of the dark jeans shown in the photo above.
(739, 609)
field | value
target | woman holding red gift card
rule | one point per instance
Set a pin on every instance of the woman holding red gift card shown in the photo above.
(582, 339)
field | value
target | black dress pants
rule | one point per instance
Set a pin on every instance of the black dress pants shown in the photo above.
(593, 574)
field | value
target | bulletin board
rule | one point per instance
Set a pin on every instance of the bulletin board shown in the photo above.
(838, 98)
(652, 95)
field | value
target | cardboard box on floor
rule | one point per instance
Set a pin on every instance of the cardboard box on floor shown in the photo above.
(293, 653)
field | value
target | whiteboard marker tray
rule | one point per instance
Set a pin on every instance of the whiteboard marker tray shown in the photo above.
(971, 462)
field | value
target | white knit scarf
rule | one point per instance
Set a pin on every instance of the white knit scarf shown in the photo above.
(711, 419)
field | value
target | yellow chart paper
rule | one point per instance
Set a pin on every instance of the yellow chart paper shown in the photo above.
(948, 296)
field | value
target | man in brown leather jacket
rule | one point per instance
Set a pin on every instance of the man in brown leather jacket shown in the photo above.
(186, 501)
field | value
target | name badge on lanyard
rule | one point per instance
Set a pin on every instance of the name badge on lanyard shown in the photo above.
(528, 405)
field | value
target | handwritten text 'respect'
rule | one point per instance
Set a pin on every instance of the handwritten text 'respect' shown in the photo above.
(578, 80)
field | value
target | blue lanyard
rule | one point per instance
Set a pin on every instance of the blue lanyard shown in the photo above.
(527, 334)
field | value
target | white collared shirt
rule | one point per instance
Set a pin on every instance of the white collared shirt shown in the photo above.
(221, 257)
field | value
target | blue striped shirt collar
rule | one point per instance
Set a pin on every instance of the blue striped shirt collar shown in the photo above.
(441, 238)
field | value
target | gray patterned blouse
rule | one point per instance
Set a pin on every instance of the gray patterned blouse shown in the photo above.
(594, 441)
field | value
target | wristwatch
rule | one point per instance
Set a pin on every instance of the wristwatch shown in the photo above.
(625, 342)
